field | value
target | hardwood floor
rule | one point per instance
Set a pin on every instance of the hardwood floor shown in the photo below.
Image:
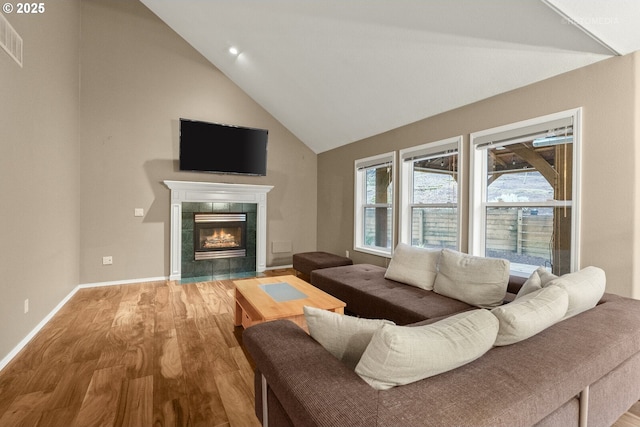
(150, 354)
(631, 418)
(146, 354)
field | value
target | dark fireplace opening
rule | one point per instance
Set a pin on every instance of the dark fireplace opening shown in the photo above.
(219, 235)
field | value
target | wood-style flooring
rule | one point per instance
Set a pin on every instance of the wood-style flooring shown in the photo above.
(150, 354)
(631, 418)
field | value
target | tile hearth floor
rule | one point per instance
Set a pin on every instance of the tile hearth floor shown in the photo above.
(149, 354)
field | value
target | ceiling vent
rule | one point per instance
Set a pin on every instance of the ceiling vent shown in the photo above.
(10, 40)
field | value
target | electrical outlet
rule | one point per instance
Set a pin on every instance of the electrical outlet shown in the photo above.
(346, 253)
(26, 306)
(138, 212)
(107, 260)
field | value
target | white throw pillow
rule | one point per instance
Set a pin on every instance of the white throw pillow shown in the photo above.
(400, 355)
(345, 337)
(414, 266)
(536, 281)
(532, 284)
(530, 314)
(584, 287)
(475, 280)
(545, 276)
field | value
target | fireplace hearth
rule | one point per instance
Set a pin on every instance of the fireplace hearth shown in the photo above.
(219, 235)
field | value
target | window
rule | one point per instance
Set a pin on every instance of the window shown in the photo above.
(524, 193)
(374, 213)
(430, 193)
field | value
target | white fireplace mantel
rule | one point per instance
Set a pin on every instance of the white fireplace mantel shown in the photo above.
(188, 191)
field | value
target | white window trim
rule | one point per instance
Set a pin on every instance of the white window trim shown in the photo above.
(478, 169)
(359, 188)
(406, 180)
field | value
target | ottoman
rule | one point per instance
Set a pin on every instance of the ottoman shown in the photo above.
(304, 263)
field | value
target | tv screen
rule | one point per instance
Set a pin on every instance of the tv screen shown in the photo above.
(218, 148)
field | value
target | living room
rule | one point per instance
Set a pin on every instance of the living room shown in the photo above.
(90, 127)
(90, 189)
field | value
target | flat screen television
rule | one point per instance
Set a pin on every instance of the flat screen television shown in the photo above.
(218, 148)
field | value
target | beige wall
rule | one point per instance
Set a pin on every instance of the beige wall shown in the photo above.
(138, 78)
(39, 182)
(608, 93)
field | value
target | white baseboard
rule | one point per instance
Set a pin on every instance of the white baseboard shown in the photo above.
(122, 282)
(280, 267)
(5, 361)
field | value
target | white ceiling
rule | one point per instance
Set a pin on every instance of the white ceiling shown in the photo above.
(335, 71)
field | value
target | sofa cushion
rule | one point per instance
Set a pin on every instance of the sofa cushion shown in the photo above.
(584, 287)
(413, 266)
(536, 281)
(533, 283)
(475, 280)
(306, 262)
(530, 314)
(400, 355)
(345, 337)
(368, 294)
(545, 275)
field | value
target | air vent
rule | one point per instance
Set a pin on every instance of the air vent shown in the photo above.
(10, 40)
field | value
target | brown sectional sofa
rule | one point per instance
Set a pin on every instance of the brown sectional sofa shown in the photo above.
(582, 371)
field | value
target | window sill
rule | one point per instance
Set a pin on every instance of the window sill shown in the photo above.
(374, 251)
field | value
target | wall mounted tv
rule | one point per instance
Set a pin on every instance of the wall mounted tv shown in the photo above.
(218, 148)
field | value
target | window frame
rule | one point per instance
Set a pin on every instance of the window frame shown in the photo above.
(478, 188)
(360, 167)
(407, 158)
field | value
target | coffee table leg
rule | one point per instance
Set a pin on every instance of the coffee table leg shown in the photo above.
(238, 315)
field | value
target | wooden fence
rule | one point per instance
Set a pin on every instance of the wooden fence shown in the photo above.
(518, 231)
(435, 227)
(523, 232)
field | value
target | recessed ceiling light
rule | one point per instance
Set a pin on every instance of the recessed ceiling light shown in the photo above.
(233, 50)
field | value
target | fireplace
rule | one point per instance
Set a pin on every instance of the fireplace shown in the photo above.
(219, 235)
(187, 197)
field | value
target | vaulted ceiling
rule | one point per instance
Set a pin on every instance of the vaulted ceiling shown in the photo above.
(335, 71)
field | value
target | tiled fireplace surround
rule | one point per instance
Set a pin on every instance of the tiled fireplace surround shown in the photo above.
(189, 197)
(223, 266)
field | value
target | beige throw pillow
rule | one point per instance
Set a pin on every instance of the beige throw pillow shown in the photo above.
(584, 287)
(414, 266)
(475, 280)
(530, 314)
(536, 281)
(400, 355)
(545, 276)
(345, 337)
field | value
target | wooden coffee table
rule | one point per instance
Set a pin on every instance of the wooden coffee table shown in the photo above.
(281, 297)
